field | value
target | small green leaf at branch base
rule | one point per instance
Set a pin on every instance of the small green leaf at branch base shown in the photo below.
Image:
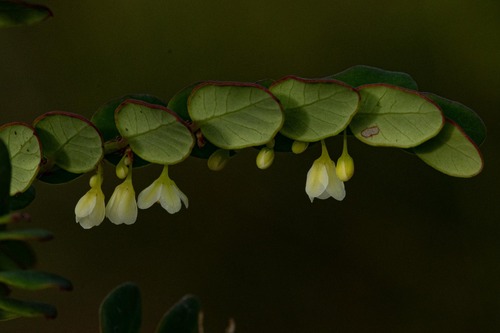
(154, 133)
(182, 317)
(120, 311)
(15, 307)
(19, 13)
(315, 109)
(395, 117)
(452, 152)
(26, 234)
(34, 280)
(25, 154)
(235, 115)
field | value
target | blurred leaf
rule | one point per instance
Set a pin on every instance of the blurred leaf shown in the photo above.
(120, 311)
(6, 315)
(266, 83)
(154, 133)
(395, 117)
(5, 176)
(451, 152)
(26, 234)
(56, 175)
(16, 255)
(235, 115)
(360, 75)
(18, 13)
(25, 154)
(22, 200)
(34, 280)
(465, 117)
(70, 141)
(315, 109)
(26, 308)
(182, 317)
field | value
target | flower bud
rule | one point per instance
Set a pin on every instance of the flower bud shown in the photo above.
(298, 147)
(345, 167)
(218, 160)
(265, 158)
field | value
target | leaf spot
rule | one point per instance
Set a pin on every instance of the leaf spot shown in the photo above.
(370, 131)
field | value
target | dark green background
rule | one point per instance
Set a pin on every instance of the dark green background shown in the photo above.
(408, 250)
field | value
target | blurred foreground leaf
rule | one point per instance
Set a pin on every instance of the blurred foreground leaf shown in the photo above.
(120, 311)
(182, 317)
(34, 280)
(17, 308)
(5, 175)
(361, 74)
(19, 13)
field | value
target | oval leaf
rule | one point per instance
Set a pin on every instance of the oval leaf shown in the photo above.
(182, 317)
(315, 109)
(19, 308)
(235, 115)
(17, 13)
(465, 117)
(361, 74)
(25, 154)
(120, 311)
(34, 280)
(395, 117)
(451, 152)
(70, 141)
(154, 133)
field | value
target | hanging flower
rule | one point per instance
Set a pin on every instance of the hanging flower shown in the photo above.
(265, 158)
(122, 207)
(164, 191)
(90, 210)
(345, 163)
(322, 181)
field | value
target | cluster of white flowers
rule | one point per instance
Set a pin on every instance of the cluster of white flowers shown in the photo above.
(122, 207)
(324, 180)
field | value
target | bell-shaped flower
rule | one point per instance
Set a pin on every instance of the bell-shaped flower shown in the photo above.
(90, 209)
(164, 191)
(122, 207)
(322, 181)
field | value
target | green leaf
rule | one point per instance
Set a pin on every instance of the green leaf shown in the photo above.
(120, 311)
(70, 141)
(104, 117)
(34, 280)
(22, 200)
(465, 117)
(56, 175)
(315, 109)
(182, 317)
(154, 133)
(18, 13)
(360, 75)
(6, 315)
(395, 117)
(16, 255)
(452, 152)
(26, 234)
(25, 154)
(26, 309)
(5, 176)
(235, 115)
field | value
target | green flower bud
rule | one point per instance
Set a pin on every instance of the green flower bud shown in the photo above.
(265, 158)
(218, 160)
(298, 147)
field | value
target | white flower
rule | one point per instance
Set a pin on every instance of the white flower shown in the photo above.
(165, 191)
(322, 181)
(89, 210)
(122, 207)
